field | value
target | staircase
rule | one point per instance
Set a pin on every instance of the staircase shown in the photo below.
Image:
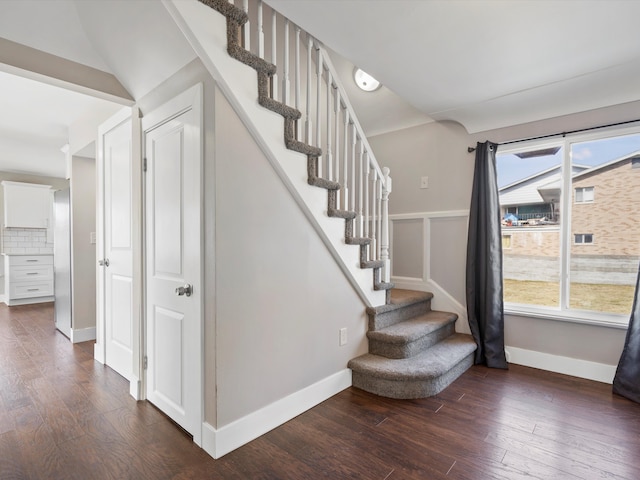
(414, 351)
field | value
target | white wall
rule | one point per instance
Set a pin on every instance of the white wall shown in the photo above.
(439, 151)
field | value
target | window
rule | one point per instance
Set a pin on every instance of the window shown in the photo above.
(582, 238)
(584, 194)
(552, 264)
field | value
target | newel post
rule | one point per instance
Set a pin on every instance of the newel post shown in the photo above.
(384, 241)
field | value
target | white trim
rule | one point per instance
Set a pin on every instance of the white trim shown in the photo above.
(219, 442)
(434, 214)
(600, 372)
(83, 334)
(612, 320)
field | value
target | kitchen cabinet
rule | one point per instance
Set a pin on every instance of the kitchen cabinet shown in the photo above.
(28, 279)
(26, 205)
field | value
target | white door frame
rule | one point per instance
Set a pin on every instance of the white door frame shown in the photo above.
(192, 99)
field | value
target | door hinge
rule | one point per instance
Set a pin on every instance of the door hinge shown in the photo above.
(144, 362)
(144, 165)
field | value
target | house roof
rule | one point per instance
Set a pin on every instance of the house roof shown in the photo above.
(542, 186)
(528, 190)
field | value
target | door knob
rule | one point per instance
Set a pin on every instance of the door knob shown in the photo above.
(186, 289)
(104, 263)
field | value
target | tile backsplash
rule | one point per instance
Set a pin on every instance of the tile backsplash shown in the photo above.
(26, 240)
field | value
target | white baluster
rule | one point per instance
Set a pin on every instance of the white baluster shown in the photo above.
(354, 140)
(379, 201)
(308, 112)
(384, 239)
(345, 162)
(373, 248)
(337, 139)
(297, 83)
(246, 38)
(274, 34)
(361, 191)
(319, 107)
(286, 84)
(260, 31)
(329, 154)
(367, 219)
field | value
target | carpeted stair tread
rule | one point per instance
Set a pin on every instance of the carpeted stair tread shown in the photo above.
(301, 147)
(400, 298)
(323, 183)
(372, 264)
(346, 214)
(414, 328)
(383, 286)
(228, 10)
(432, 363)
(357, 241)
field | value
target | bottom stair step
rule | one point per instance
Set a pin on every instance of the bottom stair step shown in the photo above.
(422, 375)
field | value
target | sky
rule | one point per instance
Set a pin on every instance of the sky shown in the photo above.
(512, 168)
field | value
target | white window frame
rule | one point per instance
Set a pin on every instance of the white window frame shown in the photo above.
(563, 312)
(583, 236)
(583, 191)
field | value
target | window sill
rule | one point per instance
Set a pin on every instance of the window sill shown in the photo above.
(576, 316)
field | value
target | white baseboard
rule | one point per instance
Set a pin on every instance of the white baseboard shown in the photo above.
(219, 442)
(83, 334)
(600, 372)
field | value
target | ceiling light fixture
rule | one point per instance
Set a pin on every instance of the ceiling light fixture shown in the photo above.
(365, 81)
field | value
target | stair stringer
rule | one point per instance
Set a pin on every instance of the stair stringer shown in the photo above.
(206, 31)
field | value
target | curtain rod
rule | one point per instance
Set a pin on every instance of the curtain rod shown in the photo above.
(564, 134)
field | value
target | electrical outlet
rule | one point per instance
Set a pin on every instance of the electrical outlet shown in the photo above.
(343, 336)
(424, 182)
(92, 238)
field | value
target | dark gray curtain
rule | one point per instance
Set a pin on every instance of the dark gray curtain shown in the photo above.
(485, 307)
(627, 379)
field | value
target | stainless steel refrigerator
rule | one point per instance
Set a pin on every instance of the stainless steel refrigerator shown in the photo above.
(62, 260)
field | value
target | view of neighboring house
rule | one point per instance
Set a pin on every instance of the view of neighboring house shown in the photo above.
(604, 230)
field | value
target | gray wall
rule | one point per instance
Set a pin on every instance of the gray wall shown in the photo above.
(83, 256)
(439, 151)
(280, 297)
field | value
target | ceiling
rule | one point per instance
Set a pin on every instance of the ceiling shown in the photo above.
(486, 63)
(36, 112)
(483, 63)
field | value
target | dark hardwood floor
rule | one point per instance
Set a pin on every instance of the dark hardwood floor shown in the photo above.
(64, 416)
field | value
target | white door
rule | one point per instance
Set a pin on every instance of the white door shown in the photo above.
(115, 245)
(173, 259)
